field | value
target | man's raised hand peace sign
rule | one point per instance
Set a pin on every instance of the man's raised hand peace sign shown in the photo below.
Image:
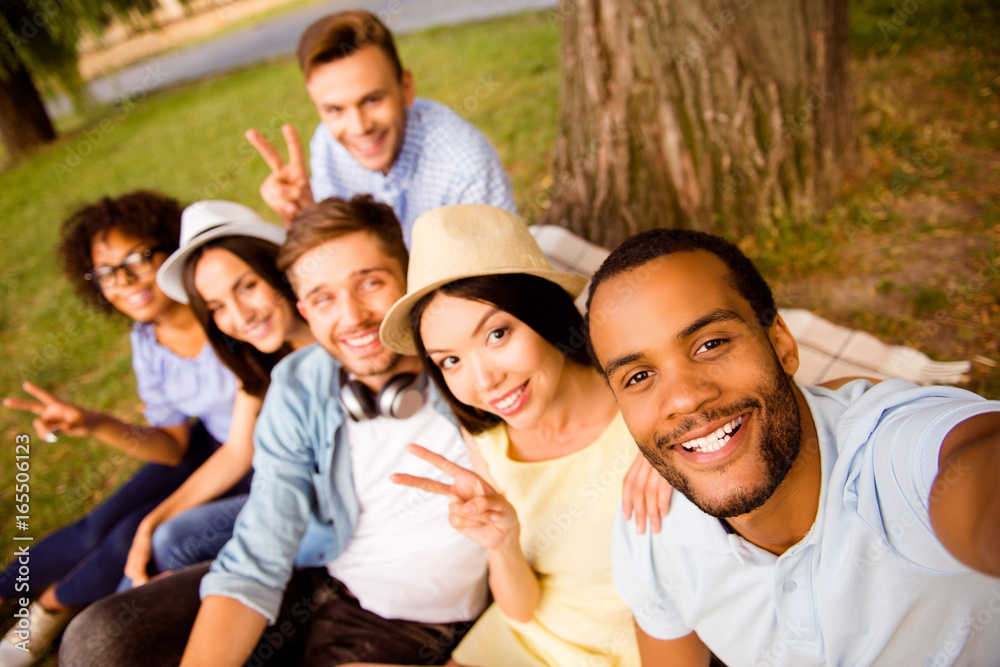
(286, 190)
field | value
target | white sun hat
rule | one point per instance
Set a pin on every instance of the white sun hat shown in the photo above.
(204, 221)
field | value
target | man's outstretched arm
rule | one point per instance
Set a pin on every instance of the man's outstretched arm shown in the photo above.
(965, 498)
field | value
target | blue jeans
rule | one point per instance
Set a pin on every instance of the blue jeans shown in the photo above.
(87, 558)
(196, 535)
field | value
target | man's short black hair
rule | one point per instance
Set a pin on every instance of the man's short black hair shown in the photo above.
(647, 246)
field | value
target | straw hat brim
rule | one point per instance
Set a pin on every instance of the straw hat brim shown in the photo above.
(170, 276)
(396, 333)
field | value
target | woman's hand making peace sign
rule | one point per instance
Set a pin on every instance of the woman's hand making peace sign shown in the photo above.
(53, 415)
(478, 511)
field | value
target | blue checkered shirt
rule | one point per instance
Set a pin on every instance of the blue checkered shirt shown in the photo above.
(444, 160)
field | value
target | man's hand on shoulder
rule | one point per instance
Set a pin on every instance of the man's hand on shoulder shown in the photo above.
(286, 190)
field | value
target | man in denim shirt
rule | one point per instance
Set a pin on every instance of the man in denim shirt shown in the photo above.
(376, 136)
(397, 583)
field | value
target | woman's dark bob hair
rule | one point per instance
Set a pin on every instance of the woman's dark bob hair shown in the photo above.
(250, 365)
(539, 303)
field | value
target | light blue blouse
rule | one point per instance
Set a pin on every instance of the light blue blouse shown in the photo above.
(175, 388)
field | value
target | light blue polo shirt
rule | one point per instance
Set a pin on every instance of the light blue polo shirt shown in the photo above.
(869, 584)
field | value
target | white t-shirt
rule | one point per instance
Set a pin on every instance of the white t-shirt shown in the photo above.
(870, 584)
(404, 560)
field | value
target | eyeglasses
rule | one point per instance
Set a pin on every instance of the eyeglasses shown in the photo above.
(138, 264)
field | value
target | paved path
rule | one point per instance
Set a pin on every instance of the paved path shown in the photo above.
(280, 37)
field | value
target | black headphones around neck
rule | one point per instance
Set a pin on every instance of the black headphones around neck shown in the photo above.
(400, 398)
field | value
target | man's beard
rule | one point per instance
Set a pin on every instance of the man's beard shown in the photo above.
(368, 367)
(781, 441)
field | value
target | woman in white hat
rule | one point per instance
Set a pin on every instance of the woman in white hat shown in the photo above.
(498, 332)
(110, 251)
(225, 269)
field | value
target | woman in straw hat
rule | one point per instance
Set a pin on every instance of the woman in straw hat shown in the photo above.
(110, 251)
(225, 269)
(498, 332)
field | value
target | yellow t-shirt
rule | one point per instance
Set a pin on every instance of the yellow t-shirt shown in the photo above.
(565, 507)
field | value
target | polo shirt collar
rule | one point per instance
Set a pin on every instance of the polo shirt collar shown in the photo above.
(827, 447)
(690, 528)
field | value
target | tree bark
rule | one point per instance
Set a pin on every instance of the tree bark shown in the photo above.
(24, 121)
(717, 115)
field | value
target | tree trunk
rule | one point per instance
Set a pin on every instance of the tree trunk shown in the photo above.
(718, 115)
(24, 121)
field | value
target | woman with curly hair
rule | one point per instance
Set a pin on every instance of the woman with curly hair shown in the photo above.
(110, 252)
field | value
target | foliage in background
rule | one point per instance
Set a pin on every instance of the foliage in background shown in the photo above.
(38, 57)
(43, 34)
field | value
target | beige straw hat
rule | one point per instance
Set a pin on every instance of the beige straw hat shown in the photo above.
(462, 241)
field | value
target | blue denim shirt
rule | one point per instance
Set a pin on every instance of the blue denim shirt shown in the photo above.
(302, 507)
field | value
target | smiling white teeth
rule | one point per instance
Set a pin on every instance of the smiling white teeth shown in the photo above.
(509, 400)
(258, 329)
(139, 297)
(362, 341)
(368, 144)
(714, 441)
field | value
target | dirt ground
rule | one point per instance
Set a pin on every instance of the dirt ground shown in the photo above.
(916, 250)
